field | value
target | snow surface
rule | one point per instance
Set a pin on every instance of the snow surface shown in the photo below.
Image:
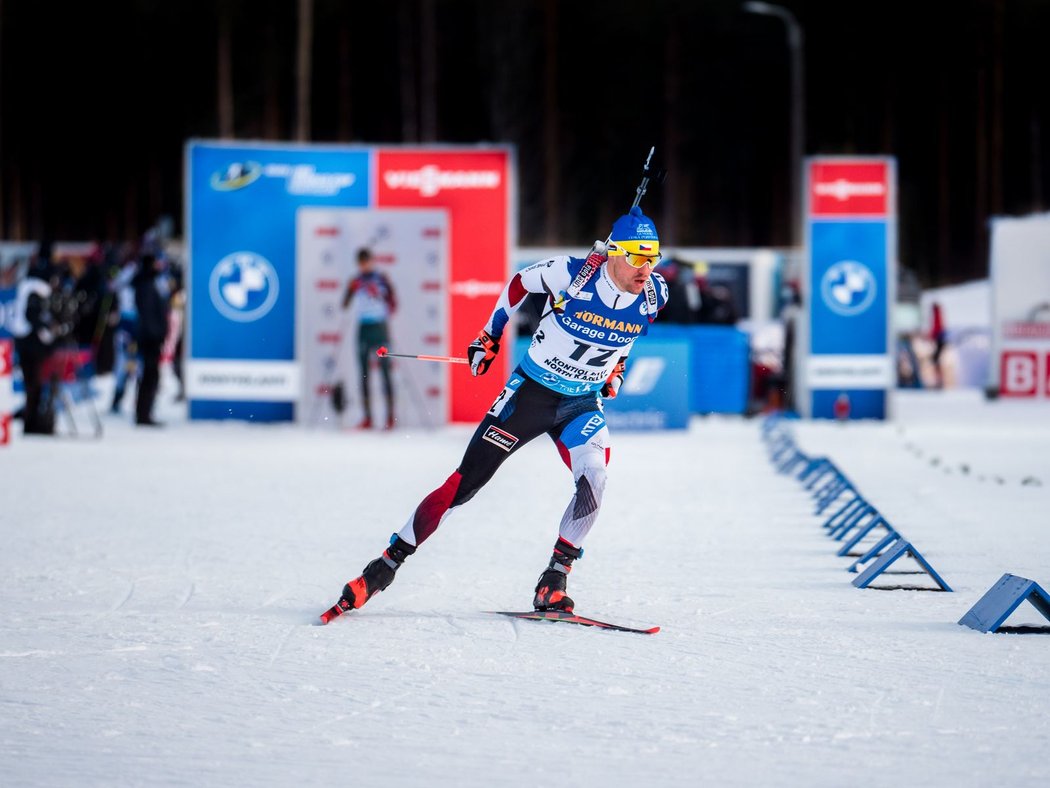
(158, 593)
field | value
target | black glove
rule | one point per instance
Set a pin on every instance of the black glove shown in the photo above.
(615, 380)
(481, 353)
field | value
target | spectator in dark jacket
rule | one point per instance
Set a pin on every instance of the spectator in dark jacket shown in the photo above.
(152, 302)
(34, 332)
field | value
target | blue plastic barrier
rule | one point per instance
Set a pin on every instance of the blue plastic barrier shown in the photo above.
(857, 538)
(875, 551)
(899, 548)
(854, 519)
(1002, 599)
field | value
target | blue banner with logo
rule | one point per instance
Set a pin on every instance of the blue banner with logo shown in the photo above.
(7, 317)
(849, 311)
(849, 317)
(7, 310)
(719, 365)
(849, 287)
(242, 213)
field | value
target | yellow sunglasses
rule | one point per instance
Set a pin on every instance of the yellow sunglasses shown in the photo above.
(633, 259)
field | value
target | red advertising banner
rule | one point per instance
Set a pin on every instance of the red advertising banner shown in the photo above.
(6, 371)
(1019, 374)
(474, 187)
(6, 358)
(845, 188)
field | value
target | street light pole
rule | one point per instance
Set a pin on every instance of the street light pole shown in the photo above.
(798, 107)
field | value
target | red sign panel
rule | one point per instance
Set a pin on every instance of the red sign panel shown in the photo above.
(849, 188)
(1019, 374)
(474, 188)
(6, 357)
(6, 370)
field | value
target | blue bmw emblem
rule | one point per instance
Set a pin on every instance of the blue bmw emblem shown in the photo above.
(848, 288)
(243, 286)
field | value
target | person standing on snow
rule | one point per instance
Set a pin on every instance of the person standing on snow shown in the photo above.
(599, 307)
(35, 332)
(152, 304)
(126, 363)
(939, 335)
(373, 296)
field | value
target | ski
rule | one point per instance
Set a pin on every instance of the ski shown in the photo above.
(572, 618)
(343, 606)
(335, 611)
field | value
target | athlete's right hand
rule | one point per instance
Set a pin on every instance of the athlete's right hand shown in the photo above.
(481, 353)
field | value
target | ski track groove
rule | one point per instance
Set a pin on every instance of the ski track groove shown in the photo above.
(127, 597)
(187, 596)
(280, 645)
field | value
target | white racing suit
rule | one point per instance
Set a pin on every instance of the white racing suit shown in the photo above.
(555, 390)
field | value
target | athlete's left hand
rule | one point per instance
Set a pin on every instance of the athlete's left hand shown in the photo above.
(615, 380)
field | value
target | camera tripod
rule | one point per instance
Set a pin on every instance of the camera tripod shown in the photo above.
(68, 372)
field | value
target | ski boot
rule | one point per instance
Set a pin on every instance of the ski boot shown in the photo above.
(377, 575)
(550, 590)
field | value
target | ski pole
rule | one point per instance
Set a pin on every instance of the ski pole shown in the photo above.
(384, 353)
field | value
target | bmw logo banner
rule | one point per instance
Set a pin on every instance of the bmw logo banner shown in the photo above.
(242, 208)
(848, 284)
(272, 229)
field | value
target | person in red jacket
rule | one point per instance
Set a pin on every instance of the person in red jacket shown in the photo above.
(939, 336)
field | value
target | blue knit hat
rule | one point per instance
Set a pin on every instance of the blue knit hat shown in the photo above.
(635, 232)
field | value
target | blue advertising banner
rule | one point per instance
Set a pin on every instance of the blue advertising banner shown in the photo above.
(242, 208)
(849, 288)
(655, 391)
(7, 307)
(7, 316)
(719, 365)
(849, 310)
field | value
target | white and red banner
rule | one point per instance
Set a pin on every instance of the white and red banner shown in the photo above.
(1020, 274)
(409, 246)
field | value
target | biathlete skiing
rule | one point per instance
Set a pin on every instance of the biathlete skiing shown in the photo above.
(597, 309)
